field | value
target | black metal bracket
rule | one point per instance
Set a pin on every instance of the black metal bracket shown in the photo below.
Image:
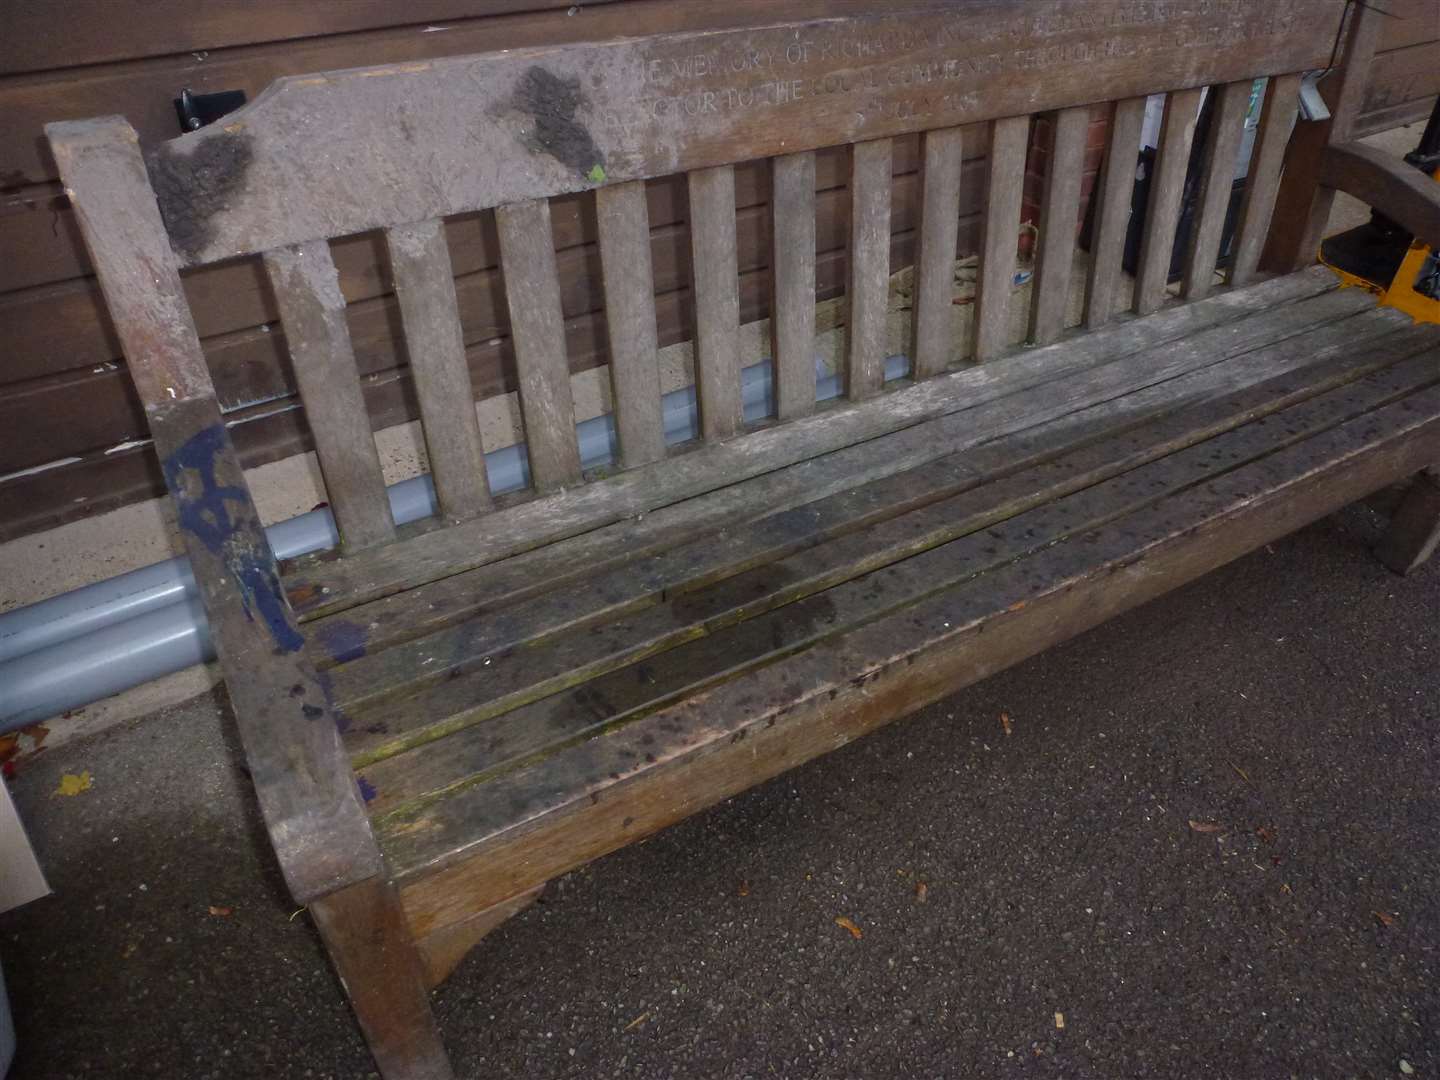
(196, 110)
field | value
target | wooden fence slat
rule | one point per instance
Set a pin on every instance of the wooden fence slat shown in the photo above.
(717, 300)
(935, 258)
(1227, 125)
(1262, 184)
(312, 310)
(537, 331)
(1112, 211)
(624, 224)
(869, 280)
(1004, 184)
(425, 288)
(792, 312)
(1055, 249)
(1167, 185)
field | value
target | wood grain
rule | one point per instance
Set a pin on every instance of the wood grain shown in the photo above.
(369, 942)
(1112, 211)
(532, 291)
(1055, 250)
(312, 309)
(1167, 187)
(792, 275)
(425, 288)
(1262, 182)
(1212, 204)
(868, 294)
(935, 254)
(1000, 235)
(717, 301)
(287, 722)
(624, 228)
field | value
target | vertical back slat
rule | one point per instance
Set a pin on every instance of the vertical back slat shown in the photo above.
(935, 257)
(1227, 125)
(1055, 253)
(537, 331)
(1112, 210)
(425, 286)
(312, 310)
(624, 223)
(869, 282)
(792, 273)
(717, 300)
(1004, 183)
(1303, 207)
(1167, 187)
(1282, 101)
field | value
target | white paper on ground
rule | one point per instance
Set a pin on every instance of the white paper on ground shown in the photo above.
(20, 878)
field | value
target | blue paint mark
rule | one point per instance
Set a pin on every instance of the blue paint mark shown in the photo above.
(367, 789)
(343, 640)
(206, 516)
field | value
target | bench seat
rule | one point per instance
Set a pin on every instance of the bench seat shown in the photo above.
(538, 685)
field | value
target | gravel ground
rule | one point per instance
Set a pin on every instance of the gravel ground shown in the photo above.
(1287, 706)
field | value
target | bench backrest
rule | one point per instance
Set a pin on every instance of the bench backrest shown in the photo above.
(402, 147)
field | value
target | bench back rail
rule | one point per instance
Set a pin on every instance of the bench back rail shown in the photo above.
(400, 148)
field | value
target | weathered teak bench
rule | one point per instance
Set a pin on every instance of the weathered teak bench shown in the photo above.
(440, 717)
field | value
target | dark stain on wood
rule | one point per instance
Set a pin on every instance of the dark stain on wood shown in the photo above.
(552, 102)
(191, 186)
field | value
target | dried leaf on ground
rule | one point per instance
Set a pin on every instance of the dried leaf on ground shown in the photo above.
(1267, 833)
(1385, 919)
(220, 909)
(70, 784)
(633, 1024)
(922, 892)
(1005, 723)
(1059, 1021)
(847, 924)
(744, 889)
(1205, 826)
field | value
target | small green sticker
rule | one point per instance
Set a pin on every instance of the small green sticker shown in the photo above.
(596, 175)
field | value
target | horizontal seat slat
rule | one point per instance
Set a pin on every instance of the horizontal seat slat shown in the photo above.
(319, 587)
(943, 589)
(548, 818)
(490, 589)
(732, 615)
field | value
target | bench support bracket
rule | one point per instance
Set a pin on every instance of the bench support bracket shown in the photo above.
(1414, 531)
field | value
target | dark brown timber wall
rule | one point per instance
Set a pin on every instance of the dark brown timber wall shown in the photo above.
(64, 393)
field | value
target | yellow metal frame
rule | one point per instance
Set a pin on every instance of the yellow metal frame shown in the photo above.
(1400, 292)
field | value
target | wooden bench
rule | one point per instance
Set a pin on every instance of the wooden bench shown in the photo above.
(441, 716)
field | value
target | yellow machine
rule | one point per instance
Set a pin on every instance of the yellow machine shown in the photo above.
(1382, 257)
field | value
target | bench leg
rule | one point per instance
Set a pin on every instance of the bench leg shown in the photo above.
(364, 928)
(1414, 531)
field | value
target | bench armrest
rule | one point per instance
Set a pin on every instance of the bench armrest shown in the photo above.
(287, 722)
(1396, 188)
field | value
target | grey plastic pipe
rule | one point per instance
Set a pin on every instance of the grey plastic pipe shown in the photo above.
(86, 644)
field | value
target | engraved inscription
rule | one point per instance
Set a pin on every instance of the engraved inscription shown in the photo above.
(891, 68)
